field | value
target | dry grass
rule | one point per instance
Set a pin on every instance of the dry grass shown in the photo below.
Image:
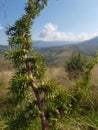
(56, 74)
(59, 76)
(95, 75)
(5, 77)
(95, 85)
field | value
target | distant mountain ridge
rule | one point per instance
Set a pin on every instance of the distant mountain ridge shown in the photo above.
(45, 44)
(89, 46)
(56, 52)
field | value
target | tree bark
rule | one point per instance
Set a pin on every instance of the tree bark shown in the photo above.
(44, 121)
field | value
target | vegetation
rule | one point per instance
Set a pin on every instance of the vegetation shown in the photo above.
(76, 64)
(35, 103)
(81, 99)
(29, 71)
(5, 65)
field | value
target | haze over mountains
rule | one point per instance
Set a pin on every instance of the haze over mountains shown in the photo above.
(45, 44)
(55, 52)
(88, 46)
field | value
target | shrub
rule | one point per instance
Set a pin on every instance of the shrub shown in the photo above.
(75, 65)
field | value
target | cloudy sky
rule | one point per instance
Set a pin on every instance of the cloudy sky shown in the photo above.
(61, 20)
(50, 32)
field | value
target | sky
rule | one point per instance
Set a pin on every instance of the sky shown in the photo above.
(61, 20)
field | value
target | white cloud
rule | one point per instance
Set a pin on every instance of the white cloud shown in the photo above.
(51, 33)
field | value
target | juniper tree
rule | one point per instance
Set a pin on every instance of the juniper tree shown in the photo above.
(29, 67)
(34, 101)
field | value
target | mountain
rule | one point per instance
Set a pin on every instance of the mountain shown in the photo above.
(89, 47)
(45, 44)
(55, 53)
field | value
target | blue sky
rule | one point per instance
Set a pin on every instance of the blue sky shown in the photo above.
(66, 20)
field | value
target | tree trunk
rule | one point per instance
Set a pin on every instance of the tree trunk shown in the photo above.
(44, 121)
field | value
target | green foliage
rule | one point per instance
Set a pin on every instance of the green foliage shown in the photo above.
(75, 65)
(24, 118)
(35, 103)
(82, 93)
(29, 70)
(57, 104)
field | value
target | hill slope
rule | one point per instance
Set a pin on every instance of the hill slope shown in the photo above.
(89, 47)
(55, 54)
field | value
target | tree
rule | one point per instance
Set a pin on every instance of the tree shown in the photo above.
(29, 67)
(35, 103)
(76, 64)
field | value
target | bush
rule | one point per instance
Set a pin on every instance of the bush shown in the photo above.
(75, 65)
